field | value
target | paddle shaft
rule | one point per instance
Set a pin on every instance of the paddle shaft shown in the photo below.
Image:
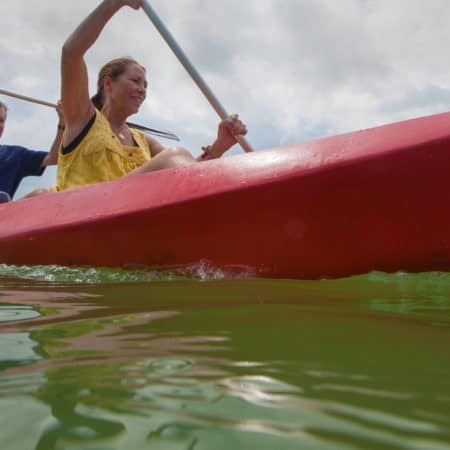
(164, 134)
(167, 36)
(28, 99)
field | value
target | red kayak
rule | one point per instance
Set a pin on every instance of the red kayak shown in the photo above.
(369, 200)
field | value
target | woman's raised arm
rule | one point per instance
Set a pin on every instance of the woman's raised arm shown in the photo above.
(75, 98)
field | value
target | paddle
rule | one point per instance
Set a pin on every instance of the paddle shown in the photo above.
(164, 134)
(167, 36)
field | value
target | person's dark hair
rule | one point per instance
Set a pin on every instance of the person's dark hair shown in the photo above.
(113, 69)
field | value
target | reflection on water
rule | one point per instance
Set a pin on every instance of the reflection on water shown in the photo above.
(188, 364)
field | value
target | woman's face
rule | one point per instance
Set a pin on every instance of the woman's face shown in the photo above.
(128, 91)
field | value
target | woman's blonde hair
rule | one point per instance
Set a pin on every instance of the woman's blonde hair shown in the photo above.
(112, 69)
(3, 105)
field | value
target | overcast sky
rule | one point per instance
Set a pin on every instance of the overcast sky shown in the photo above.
(294, 70)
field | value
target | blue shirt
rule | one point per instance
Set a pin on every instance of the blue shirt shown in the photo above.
(17, 163)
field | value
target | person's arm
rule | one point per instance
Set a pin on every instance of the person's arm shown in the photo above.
(52, 156)
(78, 108)
(228, 129)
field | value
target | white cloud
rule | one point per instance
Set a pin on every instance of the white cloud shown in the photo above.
(294, 69)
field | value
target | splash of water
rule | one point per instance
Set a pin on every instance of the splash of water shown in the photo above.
(203, 271)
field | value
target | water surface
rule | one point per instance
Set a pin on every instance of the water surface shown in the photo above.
(108, 359)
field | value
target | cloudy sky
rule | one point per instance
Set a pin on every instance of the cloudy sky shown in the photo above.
(294, 70)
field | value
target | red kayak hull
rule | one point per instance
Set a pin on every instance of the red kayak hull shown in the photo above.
(369, 200)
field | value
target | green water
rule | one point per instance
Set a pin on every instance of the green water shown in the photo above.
(98, 359)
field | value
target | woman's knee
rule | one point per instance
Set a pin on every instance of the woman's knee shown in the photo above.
(178, 152)
(176, 156)
(169, 158)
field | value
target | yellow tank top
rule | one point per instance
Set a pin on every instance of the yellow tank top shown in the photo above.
(100, 156)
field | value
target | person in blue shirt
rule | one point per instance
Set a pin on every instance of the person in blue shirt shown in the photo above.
(18, 162)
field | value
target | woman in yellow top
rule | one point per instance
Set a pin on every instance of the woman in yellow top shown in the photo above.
(97, 144)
